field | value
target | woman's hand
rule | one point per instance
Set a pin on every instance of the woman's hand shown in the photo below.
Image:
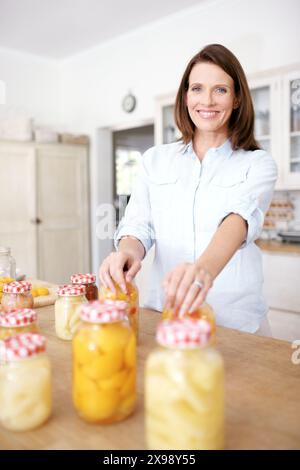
(186, 287)
(113, 267)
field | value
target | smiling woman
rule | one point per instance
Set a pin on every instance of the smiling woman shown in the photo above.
(202, 201)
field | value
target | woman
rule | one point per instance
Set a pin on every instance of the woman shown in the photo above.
(202, 201)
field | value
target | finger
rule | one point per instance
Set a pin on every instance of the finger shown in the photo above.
(166, 281)
(207, 284)
(197, 302)
(133, 270)
(184, 287)
(172, 287)
(189, 299)
(107, 281)
(118, 275)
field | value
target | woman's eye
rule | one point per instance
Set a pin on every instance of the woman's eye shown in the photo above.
(196, 88)
(221, 90)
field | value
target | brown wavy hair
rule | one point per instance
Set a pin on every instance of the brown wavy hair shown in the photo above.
(241, 121)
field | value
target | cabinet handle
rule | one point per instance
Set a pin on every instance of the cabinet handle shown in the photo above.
(36, 221)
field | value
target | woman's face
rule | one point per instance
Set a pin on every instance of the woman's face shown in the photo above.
(210, 97)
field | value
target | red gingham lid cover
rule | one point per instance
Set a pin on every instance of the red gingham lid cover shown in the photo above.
(104, 311)
(83, 278)
(17, 287)
(21, 317)
(21, 346)
(71, 289)
(183, 334)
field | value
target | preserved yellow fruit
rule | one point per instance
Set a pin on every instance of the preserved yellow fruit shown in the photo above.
(17, 322)
(104, 364)
(25, 383)
(184, 389)
(204, 312)
(66, 310)
(132, 298)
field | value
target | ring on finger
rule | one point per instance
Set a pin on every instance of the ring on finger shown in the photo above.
(199, 284)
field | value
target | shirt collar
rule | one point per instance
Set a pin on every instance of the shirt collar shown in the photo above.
(225, 149)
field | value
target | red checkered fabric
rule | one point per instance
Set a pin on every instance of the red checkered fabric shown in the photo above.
(83, 278)
(17, 287)
(21, 317)
(21, 346)
(183, 334)
(71, 289)
(104, 311)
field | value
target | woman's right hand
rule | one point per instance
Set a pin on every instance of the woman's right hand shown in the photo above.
(120, 267)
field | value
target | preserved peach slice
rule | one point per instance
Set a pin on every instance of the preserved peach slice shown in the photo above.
(128, 387)
(130, 352)
(100, 406)
(112, 336)
(104, 366)
(114, 382)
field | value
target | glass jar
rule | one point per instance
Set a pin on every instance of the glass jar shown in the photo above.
(16, 295)
(132, 298)
(104, 363)
(18, 321)
(25, 382)
(89, 281)
(70, 297)
(7, 263)
(184, 389)
(4, 280)
(204, 311)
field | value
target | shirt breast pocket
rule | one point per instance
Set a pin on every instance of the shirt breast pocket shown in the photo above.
(230, 179)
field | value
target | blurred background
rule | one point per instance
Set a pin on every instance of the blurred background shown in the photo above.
(87, 86)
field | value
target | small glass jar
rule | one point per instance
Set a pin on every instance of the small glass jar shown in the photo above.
(7, 263)
(132, 298)
(104, 363)
(89, 281)
(17, 322)
(70, 297)
(204, 312)
(184, 389)
(16, 295)
(25, 382)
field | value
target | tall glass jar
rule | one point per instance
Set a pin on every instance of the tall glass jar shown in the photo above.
(104, 363)
(25, 382)
(131, 297)
(16, 295)
(89, 281)
(204, 311)
(184, 390)
(7, 263)
(17, 322)
(70, 297)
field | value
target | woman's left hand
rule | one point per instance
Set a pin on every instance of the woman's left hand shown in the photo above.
(186, 287)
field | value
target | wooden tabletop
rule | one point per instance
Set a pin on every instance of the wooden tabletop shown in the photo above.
(262, 396)
(275, 246)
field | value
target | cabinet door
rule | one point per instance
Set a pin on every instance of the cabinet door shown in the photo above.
(291, 108)
(63, 234)
(17, 204)
(166, 130)
(266, 101)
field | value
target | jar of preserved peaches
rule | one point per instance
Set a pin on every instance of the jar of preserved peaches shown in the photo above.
(104, 363)
(18, 321)
(89, 281)
(70, 297)
(131, 297)
(16, 295)
(25, 382)
(204, 311)
(184, 390)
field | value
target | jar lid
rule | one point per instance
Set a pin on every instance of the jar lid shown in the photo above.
(21, 317)
(183, 334)
(21, 346)
(70, 289)
(17, 287)
(104, 311)
(83, 278)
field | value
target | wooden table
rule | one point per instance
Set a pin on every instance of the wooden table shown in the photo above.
(262, 396)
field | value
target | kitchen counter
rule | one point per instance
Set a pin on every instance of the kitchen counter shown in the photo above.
(262, 396)
(275, 246)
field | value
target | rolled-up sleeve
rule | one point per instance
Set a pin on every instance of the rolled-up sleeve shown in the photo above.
(137, 220)
(251, 199)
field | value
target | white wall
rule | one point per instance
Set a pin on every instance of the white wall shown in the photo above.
(151, 60)
(32, 87)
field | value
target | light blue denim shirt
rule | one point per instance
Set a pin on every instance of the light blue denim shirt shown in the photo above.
(178, 203)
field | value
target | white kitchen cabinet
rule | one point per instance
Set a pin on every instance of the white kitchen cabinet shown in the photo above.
(281, 281)
(44, 211)
(276, 99)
